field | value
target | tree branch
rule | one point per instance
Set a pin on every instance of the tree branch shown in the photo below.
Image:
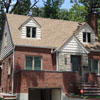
(36, 1)
(14, 6)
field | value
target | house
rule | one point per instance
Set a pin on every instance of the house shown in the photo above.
(45, 59)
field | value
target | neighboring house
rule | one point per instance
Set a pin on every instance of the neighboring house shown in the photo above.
(45, 58)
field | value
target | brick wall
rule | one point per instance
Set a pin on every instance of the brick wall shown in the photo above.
(92, 76)
(5, 79)
(30, 79)
(48, 59)
(48, 63)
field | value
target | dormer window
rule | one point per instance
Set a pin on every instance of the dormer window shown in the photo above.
(31, 32)
(86, 37)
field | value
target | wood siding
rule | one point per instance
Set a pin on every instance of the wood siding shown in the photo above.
(5, 51)
(86, 28)
(31, 23)
(72, 47)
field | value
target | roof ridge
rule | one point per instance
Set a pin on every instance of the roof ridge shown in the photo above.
(47, 18)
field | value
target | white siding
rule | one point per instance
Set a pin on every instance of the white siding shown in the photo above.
(86, 28)
(31, 23)
(72, 47)
(6, 50)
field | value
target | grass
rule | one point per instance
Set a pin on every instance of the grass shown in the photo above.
(0, 98)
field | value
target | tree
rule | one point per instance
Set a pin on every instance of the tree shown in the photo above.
(21, 7)
(38, 12)
(63, 14)
(51, 8)
(77, 13)
(91, 5)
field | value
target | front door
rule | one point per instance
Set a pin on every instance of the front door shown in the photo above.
(76, 63)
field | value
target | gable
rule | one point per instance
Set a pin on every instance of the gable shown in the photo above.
(6, 49)
(73, 45)
(85, 28)
(30, 23)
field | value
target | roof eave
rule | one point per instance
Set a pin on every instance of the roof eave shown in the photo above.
(35, 46)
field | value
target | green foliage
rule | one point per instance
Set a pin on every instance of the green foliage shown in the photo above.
(22, 7)
(77, 13)
(51, 8)
(63, 14)
(91, 5)
(38, 12)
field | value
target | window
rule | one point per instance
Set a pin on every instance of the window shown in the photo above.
(31, 32)
(5, 40)
(93, 66)
(33, 63)
(9, 66)
(86, 37)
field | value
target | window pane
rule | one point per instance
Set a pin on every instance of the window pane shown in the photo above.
(84, 36)
(95, 66)
(29, 63)
(89, 65)
(33, 32)
(89, 37)
(28, 32)
(37, 63)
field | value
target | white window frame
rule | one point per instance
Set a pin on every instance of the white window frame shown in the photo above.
(33, 62)
(31, 32)
(87, 37)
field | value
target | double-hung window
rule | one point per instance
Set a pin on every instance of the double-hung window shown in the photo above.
(86, 37)
(93, 65)
(31, 32)
(33, 63)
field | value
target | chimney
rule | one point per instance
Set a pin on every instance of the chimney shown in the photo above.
(92, 21)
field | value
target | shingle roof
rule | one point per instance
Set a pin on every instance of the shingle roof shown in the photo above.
(54, 32)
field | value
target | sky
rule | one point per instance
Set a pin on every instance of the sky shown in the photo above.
(66, 5)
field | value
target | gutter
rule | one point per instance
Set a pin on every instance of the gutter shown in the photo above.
(35, 46)
(12, 89)
(93, 50)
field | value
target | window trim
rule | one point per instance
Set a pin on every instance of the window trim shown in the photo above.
(33, 62)
(31, 27)
(87, 41)
(92, 66)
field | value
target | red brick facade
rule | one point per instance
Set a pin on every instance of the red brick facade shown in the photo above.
(92, 76)
(30, 79)
(5, 78)
(48, 59)
(27, 79)
(48, 77)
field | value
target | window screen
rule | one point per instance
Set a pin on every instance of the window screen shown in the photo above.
(84, 36)
(33, 32)
(37, 63)
(28, 32)
(89, 37)
(29, 63)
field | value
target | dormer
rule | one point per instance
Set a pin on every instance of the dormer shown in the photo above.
(30, 29)
(86, 35)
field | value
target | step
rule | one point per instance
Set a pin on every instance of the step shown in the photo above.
(96, 94)
(85, 88)
(91, 91)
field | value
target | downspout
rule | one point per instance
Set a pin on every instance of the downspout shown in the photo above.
(13, 70)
